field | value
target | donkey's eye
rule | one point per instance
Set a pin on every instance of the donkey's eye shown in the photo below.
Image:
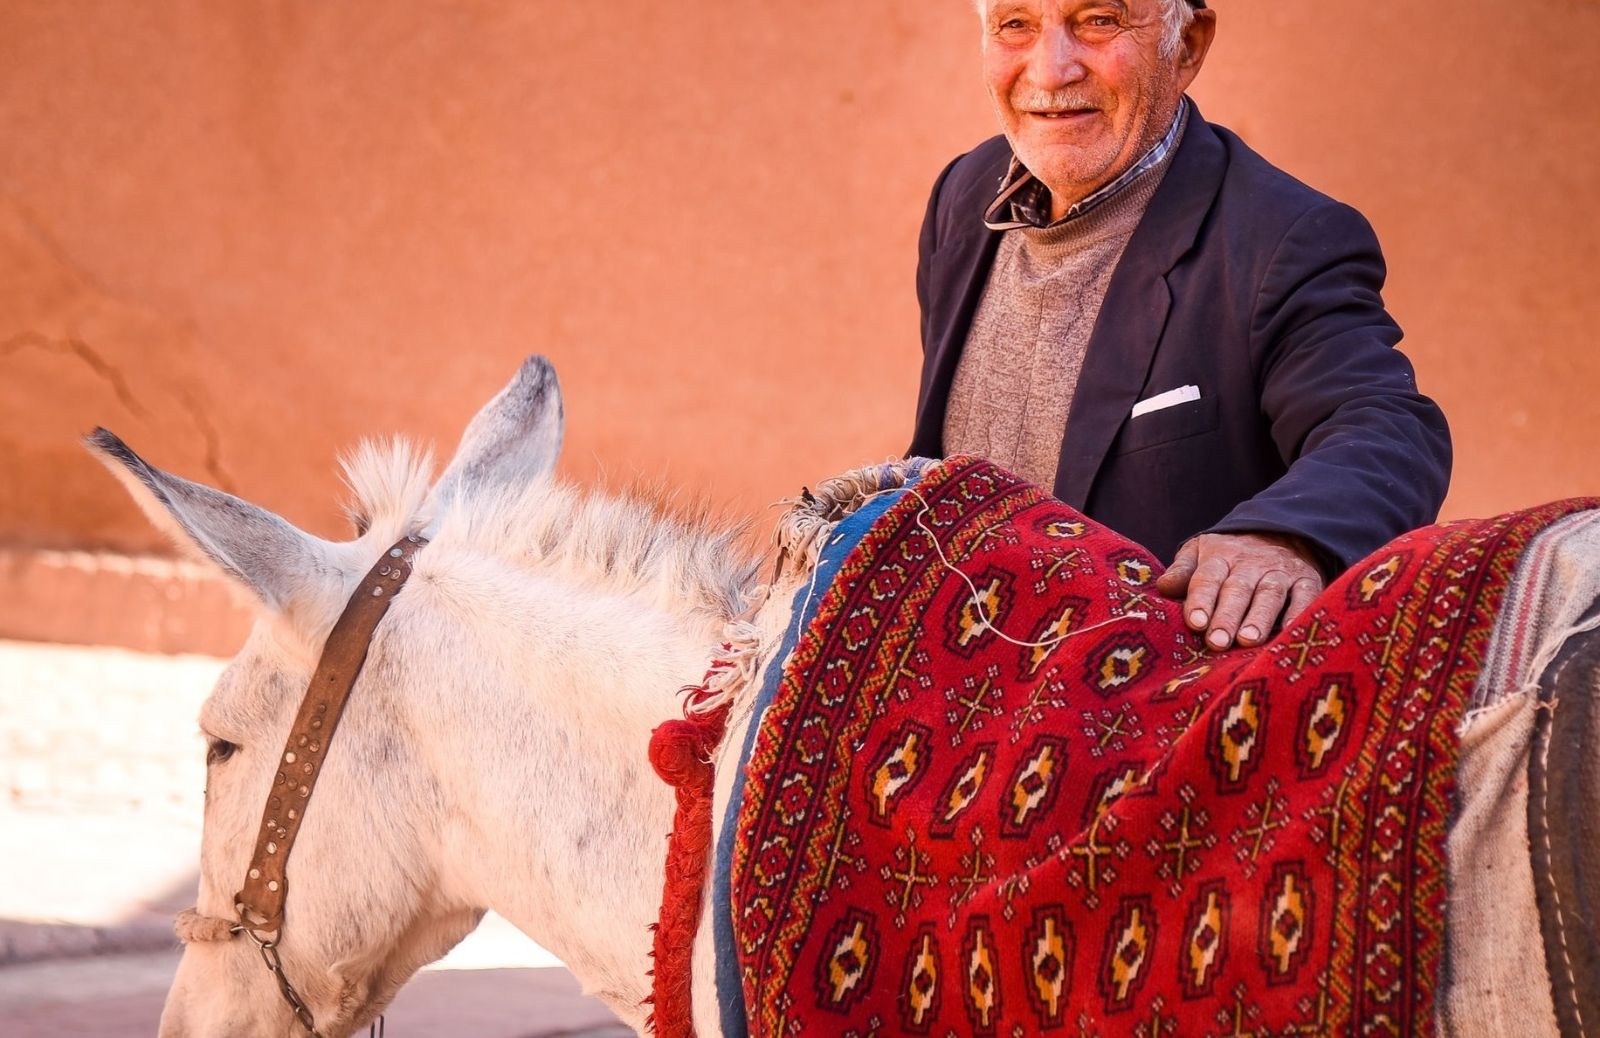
(218, 750)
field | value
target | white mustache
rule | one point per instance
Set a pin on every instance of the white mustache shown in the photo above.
(1028, 99)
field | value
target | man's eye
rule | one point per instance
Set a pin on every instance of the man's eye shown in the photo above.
(1100, 23)
(218, 750)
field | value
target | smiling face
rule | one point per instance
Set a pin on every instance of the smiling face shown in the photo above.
(1083, 88)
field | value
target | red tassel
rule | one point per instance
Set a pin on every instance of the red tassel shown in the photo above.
(680, 751)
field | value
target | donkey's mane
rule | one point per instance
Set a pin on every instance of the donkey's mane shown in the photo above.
(640, 540)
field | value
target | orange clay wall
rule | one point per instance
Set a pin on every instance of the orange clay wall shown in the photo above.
(244, 235)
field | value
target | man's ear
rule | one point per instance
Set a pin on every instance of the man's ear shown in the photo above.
(1195, 44)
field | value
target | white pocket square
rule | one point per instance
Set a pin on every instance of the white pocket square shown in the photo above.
(1161, 401)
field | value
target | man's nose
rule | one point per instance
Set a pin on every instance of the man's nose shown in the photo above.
(1057, 59)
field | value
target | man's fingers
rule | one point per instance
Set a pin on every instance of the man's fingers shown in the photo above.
(1175, 581)
(1204, 587)
(1304, 592)
(1232, 602)
(1271, 591)
(1238, 584)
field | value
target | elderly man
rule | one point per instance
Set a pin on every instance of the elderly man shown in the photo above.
(1125, 303)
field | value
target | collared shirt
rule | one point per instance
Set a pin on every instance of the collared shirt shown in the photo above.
(1024, 201)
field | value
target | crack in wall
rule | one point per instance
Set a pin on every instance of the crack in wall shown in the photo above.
(21, 341)
(35, 227)
(212, 440)
(110, 373)
(74, 346)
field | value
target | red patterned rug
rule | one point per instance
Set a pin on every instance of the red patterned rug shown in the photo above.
(1118, 833)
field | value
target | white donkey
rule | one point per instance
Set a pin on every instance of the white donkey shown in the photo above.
(494, 751)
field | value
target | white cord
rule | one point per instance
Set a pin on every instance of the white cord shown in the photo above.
(976, 597)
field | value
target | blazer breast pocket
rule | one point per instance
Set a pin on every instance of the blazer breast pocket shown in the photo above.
(1178, 422)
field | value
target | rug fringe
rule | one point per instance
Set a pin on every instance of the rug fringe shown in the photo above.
(738, 662)
(803, 529)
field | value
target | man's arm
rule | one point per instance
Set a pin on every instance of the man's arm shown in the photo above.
(1368, 456)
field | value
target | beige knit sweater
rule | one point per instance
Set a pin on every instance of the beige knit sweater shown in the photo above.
(1019, 367)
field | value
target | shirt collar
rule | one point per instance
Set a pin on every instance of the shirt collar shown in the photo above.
(1024, 201)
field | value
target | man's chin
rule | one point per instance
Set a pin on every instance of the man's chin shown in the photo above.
(1078, 144)
(1070, 174)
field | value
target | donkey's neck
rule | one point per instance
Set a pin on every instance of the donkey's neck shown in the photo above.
(555, 819)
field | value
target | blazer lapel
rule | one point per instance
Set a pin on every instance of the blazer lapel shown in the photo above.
(1134, 312)
(959, 270)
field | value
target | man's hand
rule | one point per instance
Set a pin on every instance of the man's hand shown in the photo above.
(1239, 584)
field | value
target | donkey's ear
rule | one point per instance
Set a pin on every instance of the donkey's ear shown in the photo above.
(513, 440)
(252, 546)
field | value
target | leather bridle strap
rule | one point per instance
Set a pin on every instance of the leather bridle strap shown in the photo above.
(260, 903)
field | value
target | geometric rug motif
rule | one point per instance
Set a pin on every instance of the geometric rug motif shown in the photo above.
(1036, 802)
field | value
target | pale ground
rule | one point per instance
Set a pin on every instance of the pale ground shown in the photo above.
(101, 772)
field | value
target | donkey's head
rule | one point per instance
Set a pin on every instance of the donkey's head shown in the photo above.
(366, 906)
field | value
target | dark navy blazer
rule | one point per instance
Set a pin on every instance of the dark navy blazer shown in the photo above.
(1264, 294)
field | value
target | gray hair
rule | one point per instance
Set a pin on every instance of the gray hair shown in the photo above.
(1176, 14)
